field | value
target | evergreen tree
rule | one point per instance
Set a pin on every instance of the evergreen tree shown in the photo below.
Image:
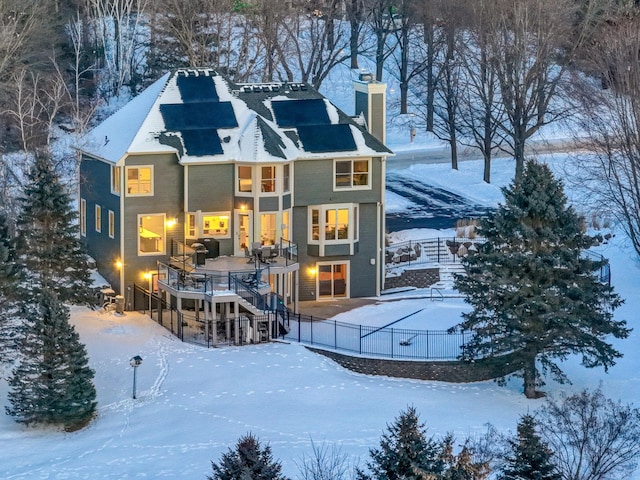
(249, 460)
(9, 276)
(536, 297)
(53, 383)
(48, 244)
(529, 457)
(405, 452)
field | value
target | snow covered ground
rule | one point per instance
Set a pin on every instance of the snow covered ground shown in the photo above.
(194, 403)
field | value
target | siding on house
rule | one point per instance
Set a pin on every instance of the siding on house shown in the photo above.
(105, 250)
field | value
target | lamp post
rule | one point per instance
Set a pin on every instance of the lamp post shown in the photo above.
(135, 362)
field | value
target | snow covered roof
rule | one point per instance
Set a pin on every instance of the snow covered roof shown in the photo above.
(205, 118)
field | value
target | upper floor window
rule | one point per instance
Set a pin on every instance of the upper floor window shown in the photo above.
(333, 223)
(98, 218)
(83, 217)
(286, 178)
(140, 181)
(352, 174)
(245, 179)
(268, 179)
(115, 180)
(151, 234)
(112, 224)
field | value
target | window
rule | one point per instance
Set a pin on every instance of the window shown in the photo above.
(336, 226)
(191, 225)
(208, 224)
(140, 181)
(286, 178)
(352, 174)
(285, 225)
(115, 180)
(98, 218)
(268, 179)
(112, 224)
(83, 217)
(268, 229)
(245, 179)
(333, 224)
(215, 225)
(151, 234)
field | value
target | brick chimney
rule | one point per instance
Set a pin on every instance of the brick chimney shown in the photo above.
(371, 102)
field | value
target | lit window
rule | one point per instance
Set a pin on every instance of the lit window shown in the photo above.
(191, 225)
(336, 224)
(352, 174)
(285, 225)
(98, 218)
(83, 217)
(112, 224)
(268, 229)
(151, 234)
(115, 180)
(215, 225)
(139, 181)
(333, 224)
(245, 180)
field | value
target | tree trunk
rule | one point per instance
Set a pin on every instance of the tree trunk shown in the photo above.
(353, 42)
(429, 35)
(529, 377)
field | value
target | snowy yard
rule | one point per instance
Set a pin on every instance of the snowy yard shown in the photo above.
(194, 403)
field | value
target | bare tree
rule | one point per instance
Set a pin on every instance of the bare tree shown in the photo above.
(355, 12)
(408, 39)
(313, 46)
(117, 31)
(381, 22)
(448, 82)
(325, 463)
(530, 53)
(611, 118)
(480, 111)
(592, 437)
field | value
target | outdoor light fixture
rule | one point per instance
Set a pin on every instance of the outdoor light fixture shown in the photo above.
(146, 275)
(172, 222)
(312, 271)
(135, 362)
(118, 264)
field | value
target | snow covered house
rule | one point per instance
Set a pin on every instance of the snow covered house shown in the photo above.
(200, 188)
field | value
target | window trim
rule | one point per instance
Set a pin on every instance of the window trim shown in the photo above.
(112, 224)
(351, 174)
(352, 225)
(98, 218)
(131, 167)
(164, 234)
(286, 178)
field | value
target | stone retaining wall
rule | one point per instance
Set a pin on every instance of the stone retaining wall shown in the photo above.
(450, 371)
(421, 278)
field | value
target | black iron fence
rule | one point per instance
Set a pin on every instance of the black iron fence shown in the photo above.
(374, 341)
(431, 250)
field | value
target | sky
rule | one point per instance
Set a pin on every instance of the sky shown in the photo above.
(194, 403)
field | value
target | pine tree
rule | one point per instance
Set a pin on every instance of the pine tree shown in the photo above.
(48, 244)
(535, 295)
(249, 460)
(9, 277)
(53, 383)
(529, 457)
(405, 452)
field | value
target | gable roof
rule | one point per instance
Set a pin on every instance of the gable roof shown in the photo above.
(205, 118)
